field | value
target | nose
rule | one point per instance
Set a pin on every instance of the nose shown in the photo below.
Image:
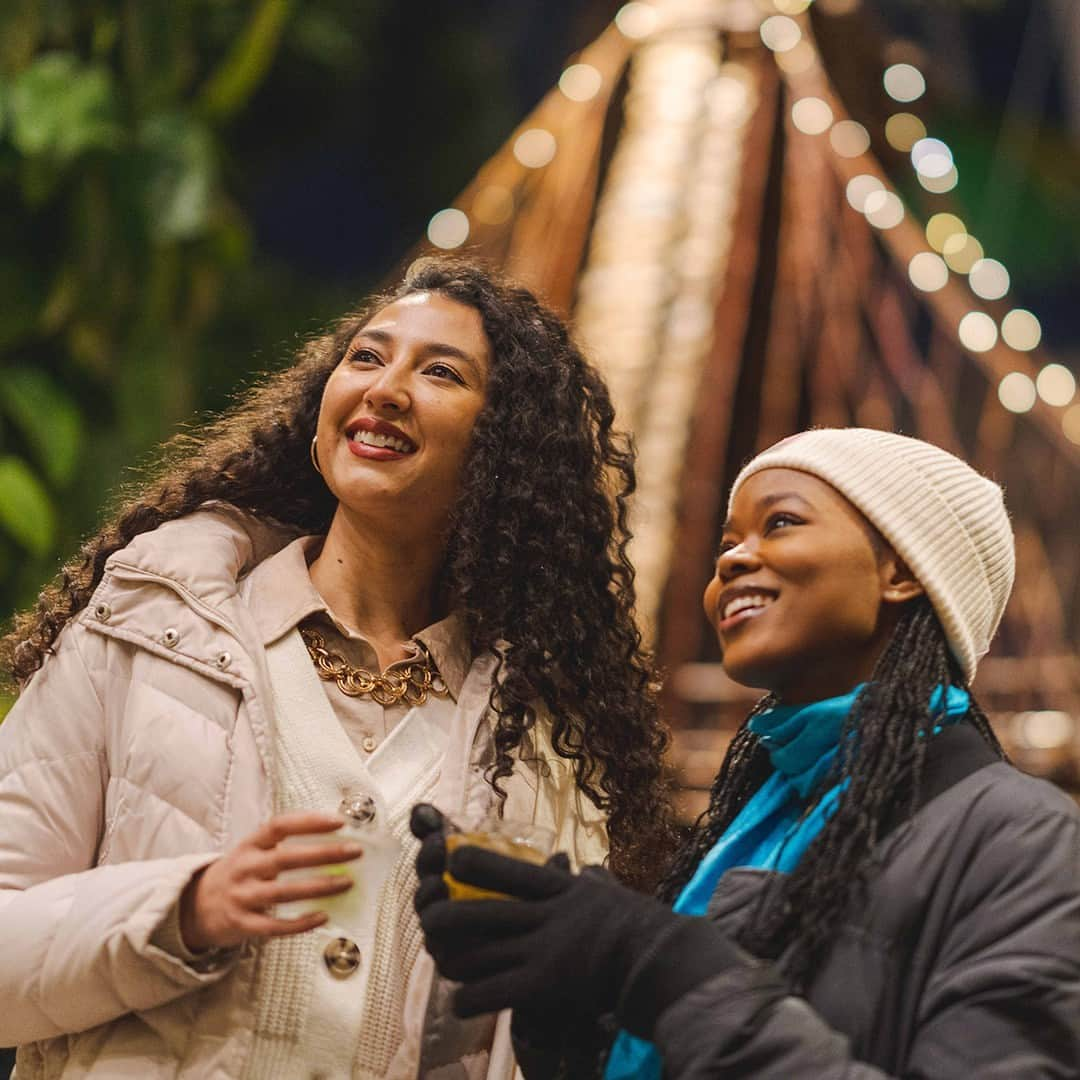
(389, 390)
(737, 560)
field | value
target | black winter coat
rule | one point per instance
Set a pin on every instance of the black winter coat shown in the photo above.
(961, 960)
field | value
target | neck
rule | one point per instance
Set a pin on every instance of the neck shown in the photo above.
(381, 583)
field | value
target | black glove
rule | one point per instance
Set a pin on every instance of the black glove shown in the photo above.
(428, 825)
(572, 944)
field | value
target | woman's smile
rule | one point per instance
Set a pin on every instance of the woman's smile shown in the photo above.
(378, 440)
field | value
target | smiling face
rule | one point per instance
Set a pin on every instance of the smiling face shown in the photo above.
(398, 412)
(805, 595)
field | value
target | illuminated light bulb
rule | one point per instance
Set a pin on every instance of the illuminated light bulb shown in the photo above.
(1056, 385)
(791, 7)
(636, 20)
(448, 229)
(860, 187)
(978, 332)
(1021, 330)
(581, 82)
(904, 130)
(849, 138)
(811, 115)
(1017, 392)
(942, 226)
(989, 279)
(780, 33)
(797, 60)
(962, 253)
(931, 158)
(938, 185)
(535, 148)
(883, 209)
(493, 205)
(1070, 424)
(928, 271)
(904, 82)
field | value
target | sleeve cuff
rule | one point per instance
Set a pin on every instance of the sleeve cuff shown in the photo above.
(690, 952)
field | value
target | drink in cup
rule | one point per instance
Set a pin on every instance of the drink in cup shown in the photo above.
(514, 839)
(348, 911)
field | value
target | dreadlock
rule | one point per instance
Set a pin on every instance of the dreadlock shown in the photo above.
(881, 760)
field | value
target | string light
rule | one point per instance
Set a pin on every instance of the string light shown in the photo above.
(1017, 392)
(928, 271)
(904, 130)
(636, 20)
(1056, 385)
(978, 332)
(791, 7)
(938, 185)
(535, 148)
(1021, 330)
(581, 82)
(962, 252)
(989, 279)
(931, 158)
(780, 33)
(904, 82)
(448, 229)
(883, 209)
(859, 188)
(849, 138)
(811, 115)
(1070, 424)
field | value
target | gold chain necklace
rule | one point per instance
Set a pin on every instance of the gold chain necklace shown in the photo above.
(410, 684)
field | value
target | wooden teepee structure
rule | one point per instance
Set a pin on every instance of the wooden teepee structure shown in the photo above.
(729, 279)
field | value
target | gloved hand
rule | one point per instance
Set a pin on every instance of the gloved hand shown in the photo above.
(428, 825)
(572, 944)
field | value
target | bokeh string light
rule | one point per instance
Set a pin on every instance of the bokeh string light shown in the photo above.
(954, 249)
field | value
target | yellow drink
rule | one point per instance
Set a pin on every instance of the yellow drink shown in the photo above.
(520, 847)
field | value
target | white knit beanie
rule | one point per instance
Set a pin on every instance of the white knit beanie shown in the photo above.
(945, 520)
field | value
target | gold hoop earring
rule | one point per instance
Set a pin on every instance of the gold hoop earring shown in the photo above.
(314, 454)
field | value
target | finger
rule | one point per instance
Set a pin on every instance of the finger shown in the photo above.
(263, 926)
(431, 858)
(469, 961)
(506, 990)
(426, 819)
(272, 832)
(489, 870)
(303, 856)
(307, 888)
(479, 918)
(430, 890)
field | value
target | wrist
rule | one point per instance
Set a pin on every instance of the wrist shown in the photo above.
(193, 939)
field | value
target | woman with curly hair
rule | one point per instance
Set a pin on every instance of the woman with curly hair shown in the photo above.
(394, 571)
(873, 891)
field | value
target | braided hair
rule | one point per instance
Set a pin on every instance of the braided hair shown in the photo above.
(881, 761)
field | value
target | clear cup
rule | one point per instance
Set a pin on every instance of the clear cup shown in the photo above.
(516, 839)
(349, 912)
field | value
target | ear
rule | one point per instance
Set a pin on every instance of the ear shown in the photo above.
(898, 583)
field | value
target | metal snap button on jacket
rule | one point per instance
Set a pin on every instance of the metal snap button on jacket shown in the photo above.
(223, 660)
(342, 957)
(170, 637)
(103, 612)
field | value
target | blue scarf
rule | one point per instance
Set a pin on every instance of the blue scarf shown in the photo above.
(770, 832)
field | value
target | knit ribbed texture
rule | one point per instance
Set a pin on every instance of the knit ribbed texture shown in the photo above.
(945, 520)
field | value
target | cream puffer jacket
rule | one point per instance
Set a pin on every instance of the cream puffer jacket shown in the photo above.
(137, 754)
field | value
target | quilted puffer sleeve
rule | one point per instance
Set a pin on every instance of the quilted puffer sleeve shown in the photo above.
(74, 937)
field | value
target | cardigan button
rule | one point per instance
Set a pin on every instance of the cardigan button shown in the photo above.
(342, 957)
(369, 743)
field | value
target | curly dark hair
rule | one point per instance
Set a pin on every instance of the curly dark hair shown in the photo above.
(882, 759)
(536, 553)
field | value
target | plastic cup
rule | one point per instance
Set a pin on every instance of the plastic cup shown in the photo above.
(515, 839)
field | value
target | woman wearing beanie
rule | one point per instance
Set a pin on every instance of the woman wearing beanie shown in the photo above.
(873, 891)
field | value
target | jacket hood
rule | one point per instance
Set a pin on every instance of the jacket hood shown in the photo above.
(208, 551)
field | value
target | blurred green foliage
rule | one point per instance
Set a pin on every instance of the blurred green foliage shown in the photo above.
(123, 244)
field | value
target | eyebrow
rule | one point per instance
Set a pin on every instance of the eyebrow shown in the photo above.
(436, 348)
(770, 500)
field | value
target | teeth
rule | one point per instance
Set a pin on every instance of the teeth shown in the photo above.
(741, 603)
(371, 438)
